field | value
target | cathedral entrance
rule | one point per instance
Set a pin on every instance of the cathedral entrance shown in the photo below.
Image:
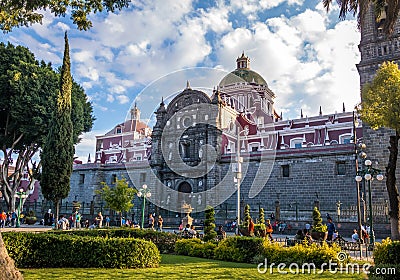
(184, 189)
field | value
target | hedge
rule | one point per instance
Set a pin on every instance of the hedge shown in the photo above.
(387, 252)
(300, 253)
(239, 249)
(164, 241)
(195, 248)
(256, 250)
(42, 250)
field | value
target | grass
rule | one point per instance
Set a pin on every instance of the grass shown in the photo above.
(175, 268)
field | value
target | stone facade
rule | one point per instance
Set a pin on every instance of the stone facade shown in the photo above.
(289, 166)
(375, 48)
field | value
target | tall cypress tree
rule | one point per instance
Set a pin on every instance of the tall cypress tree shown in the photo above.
(58, 151)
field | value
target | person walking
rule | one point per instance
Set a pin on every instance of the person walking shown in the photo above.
(3, 218)
(77, 220)
(99, 220)
(269, 229)
(151, 221)
(331, 229)
(160, 223)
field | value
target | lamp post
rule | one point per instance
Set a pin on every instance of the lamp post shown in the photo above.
(238, 171)
(358, 151)
(21, 194)
(369, 173)
(145, 193)
(338, 204)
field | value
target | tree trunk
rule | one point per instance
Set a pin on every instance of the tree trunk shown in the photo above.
(393, 192)
(57, 204)
(7, 268)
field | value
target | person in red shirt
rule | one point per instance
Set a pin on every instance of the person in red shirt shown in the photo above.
(251, 227)
(3, 218)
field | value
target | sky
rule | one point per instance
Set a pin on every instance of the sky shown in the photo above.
(148, 51)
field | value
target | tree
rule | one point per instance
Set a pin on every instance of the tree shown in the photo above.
(58, 152)
(28, 93)
(247, 216)
(380, 107)
(360, 8)
(317, 221)
(8, 270)
(261, 216)
(209, 225)
(27, 12)
(118, 198)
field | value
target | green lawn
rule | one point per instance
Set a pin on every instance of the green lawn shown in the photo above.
(176, 267)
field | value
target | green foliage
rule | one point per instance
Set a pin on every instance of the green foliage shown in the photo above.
(259, 230)
(195, 248)
(246, 216)
(58, 152)
(360, 9)
(239, 248)
(50, 250)
(300, 253)
(164, 241)
(118, 198)
(25, 13)
(380, 105)
(317, 221)
(261, 216)
(209, 225)
(28, 94)
(387, 252)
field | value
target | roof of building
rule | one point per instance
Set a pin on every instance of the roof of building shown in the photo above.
(242, 75)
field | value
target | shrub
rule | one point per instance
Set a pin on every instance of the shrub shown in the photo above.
(195, 248)
(51, 250)
(247, 216)
(387, 252)
(239, 249)
(209, 225)
(300, 253)
(164, 241)
(261, 216)
(317, 221)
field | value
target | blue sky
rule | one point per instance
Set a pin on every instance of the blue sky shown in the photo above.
(307, 56)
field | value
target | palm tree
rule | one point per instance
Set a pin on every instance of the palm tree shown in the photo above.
(386, 12)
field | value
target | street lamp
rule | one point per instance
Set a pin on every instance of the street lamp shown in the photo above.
(338, 204)
(238, 171)
(146, 194)
(369, 173)
(21, 195)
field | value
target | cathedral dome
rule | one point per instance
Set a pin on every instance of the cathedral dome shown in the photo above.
(243, 74)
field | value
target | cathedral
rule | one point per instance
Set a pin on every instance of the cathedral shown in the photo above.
(203, 148)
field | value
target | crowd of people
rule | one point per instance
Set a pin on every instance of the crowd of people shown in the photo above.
(8, 219)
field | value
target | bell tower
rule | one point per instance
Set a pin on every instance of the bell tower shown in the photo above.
(376, 47)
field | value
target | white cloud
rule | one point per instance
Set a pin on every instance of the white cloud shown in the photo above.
(122, 99)
(110, 98)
